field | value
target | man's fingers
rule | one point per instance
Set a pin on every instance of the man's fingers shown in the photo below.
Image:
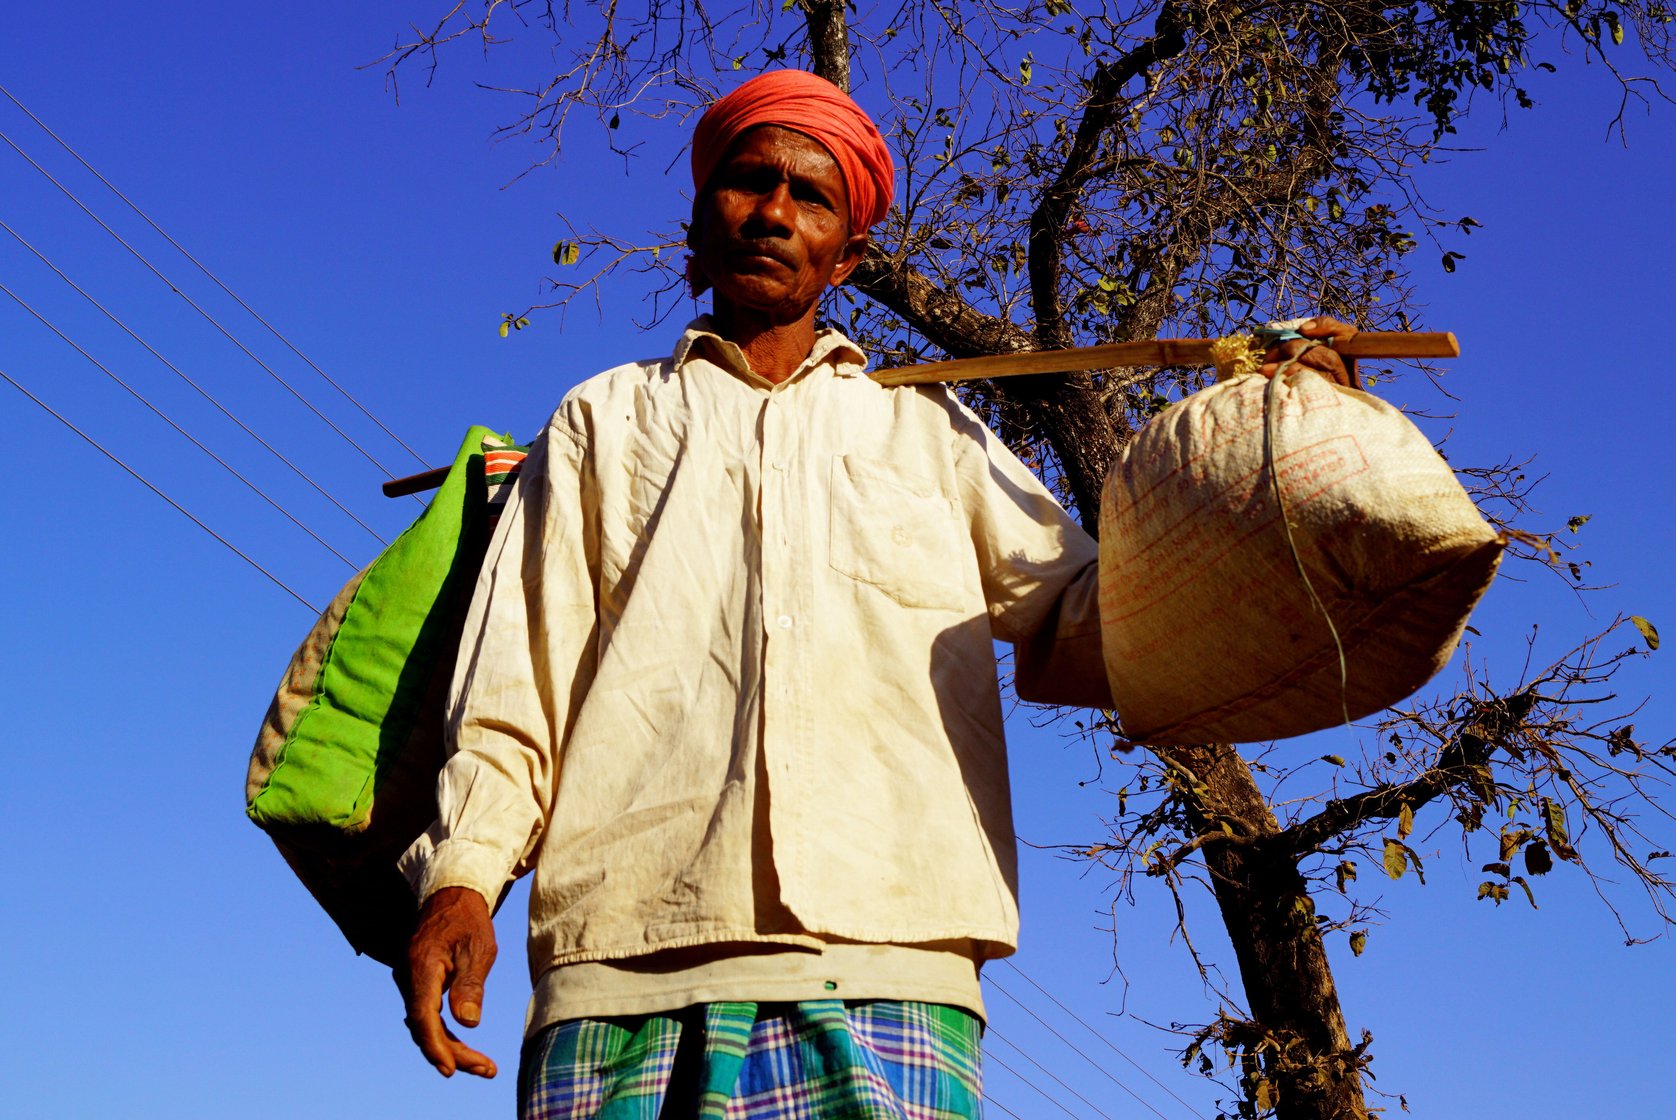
(432, 1039)
(467, 1005)
(469, 1060)
(1315, 353)
(424, 1016)
(1325, 326)
(465, 995)
(446, 1052)
(452, 950)
(1304, 353)
(1339, 369)
(424, 990)
(1331, 330)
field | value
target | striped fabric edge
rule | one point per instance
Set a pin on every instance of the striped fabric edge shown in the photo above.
(502, 460)
(870, 1060)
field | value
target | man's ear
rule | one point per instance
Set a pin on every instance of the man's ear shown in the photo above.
(854, 249)
(692, 226)
(697, 282)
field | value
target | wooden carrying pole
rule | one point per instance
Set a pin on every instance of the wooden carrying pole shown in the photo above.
(1158, 352)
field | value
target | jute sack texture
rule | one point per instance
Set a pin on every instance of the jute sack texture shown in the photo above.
(1210, 632)
(343, 774)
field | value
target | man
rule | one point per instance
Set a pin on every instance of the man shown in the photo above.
(727, 687)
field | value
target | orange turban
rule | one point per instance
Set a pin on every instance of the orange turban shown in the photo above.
(820, 110)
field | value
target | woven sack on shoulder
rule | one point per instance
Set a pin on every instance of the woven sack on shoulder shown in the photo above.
(1210, 632)
(343, 774)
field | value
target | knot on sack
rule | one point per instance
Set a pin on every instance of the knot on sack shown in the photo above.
(1241, 355)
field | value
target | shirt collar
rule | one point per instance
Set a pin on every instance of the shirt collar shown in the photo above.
(831, 347)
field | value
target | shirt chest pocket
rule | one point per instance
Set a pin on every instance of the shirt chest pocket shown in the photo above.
(897, 532)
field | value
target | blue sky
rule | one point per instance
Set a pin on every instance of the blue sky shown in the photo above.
(165, 962)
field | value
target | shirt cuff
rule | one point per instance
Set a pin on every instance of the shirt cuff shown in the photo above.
(430, 865)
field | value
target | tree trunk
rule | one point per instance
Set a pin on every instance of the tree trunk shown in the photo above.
(1070, 412)
(829, 40)
(1270, 919)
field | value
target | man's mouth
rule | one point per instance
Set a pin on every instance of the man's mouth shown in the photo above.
(756, 250)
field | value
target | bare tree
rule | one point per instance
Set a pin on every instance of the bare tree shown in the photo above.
(1082, 172)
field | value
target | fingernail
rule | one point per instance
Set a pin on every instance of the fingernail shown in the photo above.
(469, 1012)
(1308, 325)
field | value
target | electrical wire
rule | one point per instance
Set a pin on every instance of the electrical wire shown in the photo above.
(206, 395)
(1111, 1076)
(1061, 1081)
(991, 1100)
(153, 488)
(1110, 1045)
(201, 268)
(213, 321)
(167, 419)
(991, 1056)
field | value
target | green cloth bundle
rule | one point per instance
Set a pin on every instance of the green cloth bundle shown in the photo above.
(343, 775)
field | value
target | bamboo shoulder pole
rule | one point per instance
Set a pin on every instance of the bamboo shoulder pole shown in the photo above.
(1158, 352)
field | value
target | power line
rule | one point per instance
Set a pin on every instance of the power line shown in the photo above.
(1001, 1106)
(167, 419)
(1051, 1099)
(201, 392)
(1108, 1043)
(194, 305)
(1109, 1075)
(149, 486)
(1062, 1083)
(201, 268)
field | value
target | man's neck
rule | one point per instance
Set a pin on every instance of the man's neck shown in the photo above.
(774, 350)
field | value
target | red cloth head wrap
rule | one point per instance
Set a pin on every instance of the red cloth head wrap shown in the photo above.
(820, 110)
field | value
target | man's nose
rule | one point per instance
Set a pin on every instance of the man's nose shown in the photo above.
(774, 212)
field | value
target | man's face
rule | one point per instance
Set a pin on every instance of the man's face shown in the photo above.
(773, 226)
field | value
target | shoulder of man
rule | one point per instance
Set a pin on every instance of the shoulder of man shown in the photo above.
(574, 415)
(940, 399)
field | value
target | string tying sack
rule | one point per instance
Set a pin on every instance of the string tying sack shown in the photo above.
(1219, 623)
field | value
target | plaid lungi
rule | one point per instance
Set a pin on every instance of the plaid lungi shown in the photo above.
(815, 1060)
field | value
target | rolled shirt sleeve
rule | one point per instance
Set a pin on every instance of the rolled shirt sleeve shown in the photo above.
(1039, 569)
(525, 660)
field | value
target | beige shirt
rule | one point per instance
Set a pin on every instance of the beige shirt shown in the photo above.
(729, 677)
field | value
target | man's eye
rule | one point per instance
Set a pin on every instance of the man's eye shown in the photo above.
(746, 180)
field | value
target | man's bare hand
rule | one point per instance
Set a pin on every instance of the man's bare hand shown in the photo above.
(1339, 370)
(452, 950)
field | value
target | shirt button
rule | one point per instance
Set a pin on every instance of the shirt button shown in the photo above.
(784, 621)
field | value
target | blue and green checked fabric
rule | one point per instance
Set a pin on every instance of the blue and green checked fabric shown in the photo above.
(816, 1060)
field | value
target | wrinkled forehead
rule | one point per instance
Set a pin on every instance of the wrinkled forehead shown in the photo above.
(783, 146)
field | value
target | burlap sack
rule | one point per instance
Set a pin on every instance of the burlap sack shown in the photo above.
(1210, 633)
(343, 774)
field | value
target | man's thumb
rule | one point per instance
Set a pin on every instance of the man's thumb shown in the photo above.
(465, 999)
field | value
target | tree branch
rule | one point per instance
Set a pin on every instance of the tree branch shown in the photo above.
(1462, 761)
(1166, 254)
(942, 316)
(1048, 221)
